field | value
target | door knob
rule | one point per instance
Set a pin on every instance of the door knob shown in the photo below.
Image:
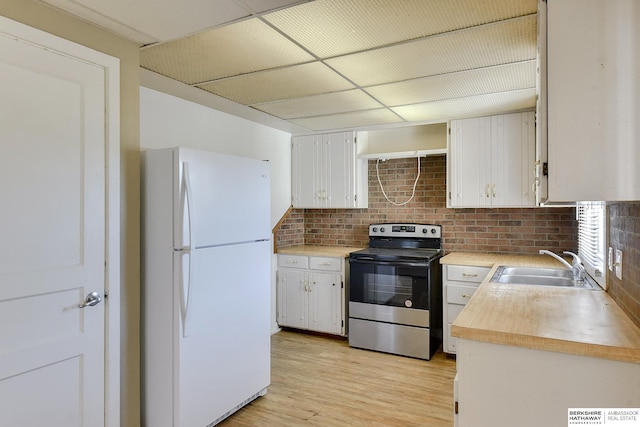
(92, 299)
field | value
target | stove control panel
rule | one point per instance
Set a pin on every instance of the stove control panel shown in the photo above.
(424, 231)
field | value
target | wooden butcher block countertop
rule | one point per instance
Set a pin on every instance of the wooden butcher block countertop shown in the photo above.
(310, 250)
(566, 320)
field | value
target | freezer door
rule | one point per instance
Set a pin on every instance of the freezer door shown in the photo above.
(220, 199)
(225, 358)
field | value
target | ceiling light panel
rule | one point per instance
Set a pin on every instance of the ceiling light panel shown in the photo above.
(494, 44)
(330, 103)
(291, 82)
(348, 120)
(501, 78)
(231, 50)
(471, 106)
(335, 27)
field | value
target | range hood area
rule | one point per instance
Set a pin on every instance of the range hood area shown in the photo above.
(411, 141)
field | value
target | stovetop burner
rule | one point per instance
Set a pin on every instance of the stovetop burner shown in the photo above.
(385, 254)
(401, 241)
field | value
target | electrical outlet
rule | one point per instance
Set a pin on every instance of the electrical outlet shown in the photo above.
(618, 264)
(610, 259)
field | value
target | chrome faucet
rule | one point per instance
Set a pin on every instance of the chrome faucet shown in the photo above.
(576, 267)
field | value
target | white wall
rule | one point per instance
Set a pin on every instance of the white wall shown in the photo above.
(169, 121)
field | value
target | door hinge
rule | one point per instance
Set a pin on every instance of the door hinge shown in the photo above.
(449, 130)
(342, 285)
(545, 169)
(106, 295)
(342, 323)
(449, 195)
(455, 408)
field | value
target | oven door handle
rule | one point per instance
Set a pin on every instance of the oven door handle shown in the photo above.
(398, 263)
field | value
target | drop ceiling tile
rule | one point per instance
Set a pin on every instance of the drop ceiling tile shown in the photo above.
(348, 120)
(335, 27)
(329, 103)
(151, 21)
(272, 85)
(521, 75)
(261, 6)
(471, 106)
(499, 43)
(240, 48)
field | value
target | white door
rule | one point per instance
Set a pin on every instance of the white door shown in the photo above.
(52, 249)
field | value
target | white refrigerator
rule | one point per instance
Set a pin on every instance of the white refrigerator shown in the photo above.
(206, 283)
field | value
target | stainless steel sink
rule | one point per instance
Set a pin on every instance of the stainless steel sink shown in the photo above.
(532, 271)
(541, 276)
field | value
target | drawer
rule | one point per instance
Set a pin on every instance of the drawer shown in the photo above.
(452, 311)
(458, 294)
(293, 261)
(463, 273)
(325, 263)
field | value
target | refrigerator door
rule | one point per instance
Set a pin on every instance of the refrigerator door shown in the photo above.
(224, 361)
(219, 199)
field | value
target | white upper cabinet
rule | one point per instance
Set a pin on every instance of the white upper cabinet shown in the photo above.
(326, 173)
(592, 94)
(491, 161)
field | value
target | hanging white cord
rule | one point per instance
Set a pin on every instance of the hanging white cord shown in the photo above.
(385, 194)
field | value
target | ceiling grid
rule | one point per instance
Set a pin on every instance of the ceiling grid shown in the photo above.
(334, 64)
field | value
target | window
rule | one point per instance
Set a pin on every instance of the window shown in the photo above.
(591, 241)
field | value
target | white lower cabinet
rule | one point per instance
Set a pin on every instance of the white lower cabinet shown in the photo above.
(506, 386)
(459, 284)
(311, 293)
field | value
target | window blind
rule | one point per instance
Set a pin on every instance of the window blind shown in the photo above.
(591, 241)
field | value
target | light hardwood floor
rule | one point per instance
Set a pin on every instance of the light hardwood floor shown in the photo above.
(321, 381)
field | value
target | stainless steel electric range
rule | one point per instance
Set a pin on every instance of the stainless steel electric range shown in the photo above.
(395, 291)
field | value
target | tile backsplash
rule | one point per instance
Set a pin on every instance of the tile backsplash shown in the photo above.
(515, 230)
(624, 234)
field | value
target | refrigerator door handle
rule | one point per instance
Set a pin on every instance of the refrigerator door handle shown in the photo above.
(187, 228)
(185, 289)
(187, 203)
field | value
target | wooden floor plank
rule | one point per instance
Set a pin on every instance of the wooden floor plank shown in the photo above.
(321, 381)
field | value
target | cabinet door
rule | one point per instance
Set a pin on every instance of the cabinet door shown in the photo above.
(512, 159)
(339, 166)
(305, 172)
(470, 152)
(593, 100)
(292, 298)
(325, 303)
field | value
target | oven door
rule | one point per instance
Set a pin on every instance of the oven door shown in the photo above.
(390, 283)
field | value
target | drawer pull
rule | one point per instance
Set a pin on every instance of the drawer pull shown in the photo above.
(469, 274)
(465, 296)
(327, 264)
(292, 262)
